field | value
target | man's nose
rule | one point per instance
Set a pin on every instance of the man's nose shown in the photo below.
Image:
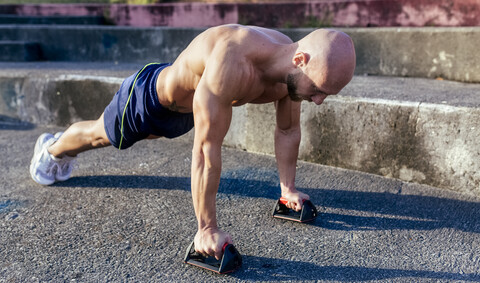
(319, 98)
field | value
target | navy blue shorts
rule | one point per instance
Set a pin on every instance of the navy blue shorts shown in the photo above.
(135, 112)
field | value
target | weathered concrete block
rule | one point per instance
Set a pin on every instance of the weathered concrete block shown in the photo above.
(58, 101)
(237, 134)
(431, 136)
(451, 142)
(416, 142)
(19, 51)
(66, 97)
(438, 52)
(431, 52)
(252, 128)
(413, 52)
(104, 44)
(10, 96)
(260, 124)
(368, 136)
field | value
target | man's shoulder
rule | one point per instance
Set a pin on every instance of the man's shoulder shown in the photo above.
(253, 35)
(273, 35)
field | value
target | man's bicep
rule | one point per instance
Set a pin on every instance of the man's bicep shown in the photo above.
(212, 116)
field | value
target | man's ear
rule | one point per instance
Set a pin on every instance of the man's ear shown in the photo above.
(300, 59)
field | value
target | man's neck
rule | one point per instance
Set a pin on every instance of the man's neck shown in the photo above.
(279, 63)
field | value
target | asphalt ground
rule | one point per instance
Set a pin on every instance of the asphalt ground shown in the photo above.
(127, 216)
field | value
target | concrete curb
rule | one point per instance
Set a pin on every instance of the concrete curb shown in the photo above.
(414, 52)
(15, 51)
(418, 142)
(430, 137)
(439, 52)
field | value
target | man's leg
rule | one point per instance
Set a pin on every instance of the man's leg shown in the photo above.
(80, 137)
(54, 156)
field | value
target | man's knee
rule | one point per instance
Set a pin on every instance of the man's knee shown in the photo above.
(97, 134)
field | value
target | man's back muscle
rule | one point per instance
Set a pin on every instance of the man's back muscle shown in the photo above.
(230, 58)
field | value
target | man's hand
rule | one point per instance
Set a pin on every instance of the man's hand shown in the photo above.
(211, 241)
(295, 199)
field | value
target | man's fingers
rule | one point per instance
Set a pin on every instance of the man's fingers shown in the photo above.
(292, 205)
(299, 206)
(212, 252)
(295, 205)
(218, 254)
(204, 251)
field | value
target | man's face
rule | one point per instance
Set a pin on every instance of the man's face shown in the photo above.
(292, 81)
(300, 87)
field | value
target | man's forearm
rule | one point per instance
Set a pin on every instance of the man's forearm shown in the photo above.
(286, 153)
(205, 180)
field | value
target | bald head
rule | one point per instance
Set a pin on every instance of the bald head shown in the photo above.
(330, 58)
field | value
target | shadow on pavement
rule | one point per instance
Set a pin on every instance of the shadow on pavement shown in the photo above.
(418, 212)
(386, 211)
(272, 269)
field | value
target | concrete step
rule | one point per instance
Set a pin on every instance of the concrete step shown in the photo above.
(51, 20)
(417, 130)
(411, 52)
(19, 51)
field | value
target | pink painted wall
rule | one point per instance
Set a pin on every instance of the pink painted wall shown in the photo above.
(174, 15)
(352, 13)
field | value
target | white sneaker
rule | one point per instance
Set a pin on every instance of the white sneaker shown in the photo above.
(42, 166)
(65, 164)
